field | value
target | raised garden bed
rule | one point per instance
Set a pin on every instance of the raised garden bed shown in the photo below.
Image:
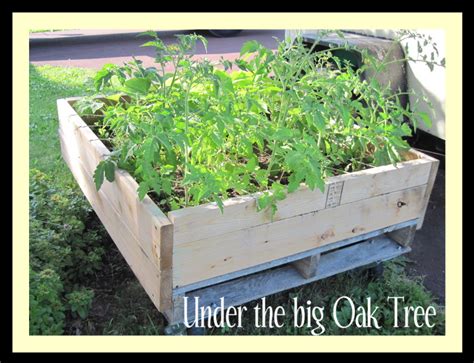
(289, 170)
(186, 250)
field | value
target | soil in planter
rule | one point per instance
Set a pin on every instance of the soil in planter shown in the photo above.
(163, 201)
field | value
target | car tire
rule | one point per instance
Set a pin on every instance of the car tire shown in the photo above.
(222, 33)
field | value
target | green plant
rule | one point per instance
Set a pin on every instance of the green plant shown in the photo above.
(80, 301)
(203, 133)
(46, 308)
(64, 249)
(59, 237)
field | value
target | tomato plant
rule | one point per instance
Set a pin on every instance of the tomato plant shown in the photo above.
(267, 121)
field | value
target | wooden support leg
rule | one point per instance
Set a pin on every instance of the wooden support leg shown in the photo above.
(177, 312)
(404, 236)
(308, 267)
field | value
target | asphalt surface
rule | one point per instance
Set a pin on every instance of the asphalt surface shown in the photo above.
(95, 54)
(428, 249)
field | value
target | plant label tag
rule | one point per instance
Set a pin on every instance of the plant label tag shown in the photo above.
(334, 194)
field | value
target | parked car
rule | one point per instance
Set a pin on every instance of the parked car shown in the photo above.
(222, 33)
(414, 76)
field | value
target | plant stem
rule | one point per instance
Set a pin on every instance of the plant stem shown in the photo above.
(186, 146)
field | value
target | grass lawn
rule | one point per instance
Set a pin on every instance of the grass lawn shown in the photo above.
(120, 305)
(44, 30)
(47, 84)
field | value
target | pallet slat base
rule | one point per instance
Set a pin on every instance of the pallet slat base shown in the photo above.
(288, 259)
(252, 287)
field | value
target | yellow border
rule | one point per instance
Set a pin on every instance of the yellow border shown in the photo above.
(450, 22)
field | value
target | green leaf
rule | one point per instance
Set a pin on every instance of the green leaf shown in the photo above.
(224, 80)
(250, 46)
(109, 170)
(142, 190)
(319, 121)
(282, 134)
(164, 141)
(243, 65)
(115, 98)
(166, 185)
(251, 164)
(426, 119)
(216, 139)
(294, 181)
(104, 75)
(219, 203)
(263, 201)
(137, 85)
(150, 33)
(83, 312)
(99, 175)
(278, 190)
(88, 106)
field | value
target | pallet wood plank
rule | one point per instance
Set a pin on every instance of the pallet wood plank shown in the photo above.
(195, 223)
(252, 246)
(150, 227)
(404, 236)
(249, 288)
(308, 266)
(140, 263)
(144, 218)
(434, 166)
(292, 258)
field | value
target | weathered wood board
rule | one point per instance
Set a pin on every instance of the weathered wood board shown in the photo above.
(141, 231)
(252, 287)
(232, 251)
(196, 223)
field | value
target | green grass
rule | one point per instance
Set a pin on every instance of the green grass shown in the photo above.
(47, 84)
(44, 30)
(121, 307)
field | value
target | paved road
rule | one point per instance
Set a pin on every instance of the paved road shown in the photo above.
(428, 248)
(428, 252)
(96, 54)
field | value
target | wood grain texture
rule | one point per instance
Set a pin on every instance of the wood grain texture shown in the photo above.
(144, 269)
(308, 266)
(404, 236)
(252, 246)
(245, 289)
(429, 189)
(204, 221)
(150, 228)
(291, 258)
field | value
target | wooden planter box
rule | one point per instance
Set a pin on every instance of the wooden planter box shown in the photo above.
(242, 254)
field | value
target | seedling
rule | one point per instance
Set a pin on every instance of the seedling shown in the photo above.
(265, 122)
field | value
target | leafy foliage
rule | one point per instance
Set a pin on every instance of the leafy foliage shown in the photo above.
(267, 121)
(46, 307)
(63, 251)
(80, 301)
